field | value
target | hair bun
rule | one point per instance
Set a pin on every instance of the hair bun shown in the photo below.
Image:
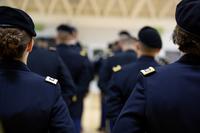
(11, 41)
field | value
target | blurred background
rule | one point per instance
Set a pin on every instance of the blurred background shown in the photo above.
(98, 23)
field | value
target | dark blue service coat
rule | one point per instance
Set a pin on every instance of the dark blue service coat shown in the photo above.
(29, 104)
(106, 71)
(122, 84)
(81, 75)
(48, 63)
(165, 101)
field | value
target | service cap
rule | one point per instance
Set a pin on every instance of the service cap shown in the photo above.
(13, 17)
(150, 37)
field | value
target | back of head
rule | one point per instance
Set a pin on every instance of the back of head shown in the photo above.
(150, 37)
(13, 42)
(187, 32)
(16, 32)
(65, 33)
(124, 34)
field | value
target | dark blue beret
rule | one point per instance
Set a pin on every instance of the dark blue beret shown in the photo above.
(12, 17)
(150, 37)
(65, 28)
(188, 16)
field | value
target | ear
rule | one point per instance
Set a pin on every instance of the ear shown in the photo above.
(30, 46)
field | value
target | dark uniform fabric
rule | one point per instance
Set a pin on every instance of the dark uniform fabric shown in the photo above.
(29, 104)
(106, 72)
(80, 72)
(48, 63)
(123, 83)
(166, 101)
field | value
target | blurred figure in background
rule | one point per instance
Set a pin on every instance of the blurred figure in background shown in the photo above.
(48, 63)
(113, 63)
(79, 68)
(42, 42)
(124, 80)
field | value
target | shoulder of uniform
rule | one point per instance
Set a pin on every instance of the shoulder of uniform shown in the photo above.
(148, 71)
(117, 68)
(51, 80)
(52, 49)
(83, 52)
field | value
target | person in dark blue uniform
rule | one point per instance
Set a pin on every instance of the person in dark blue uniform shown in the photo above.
(114, 63)
(79, 69)
(29, 103)
(48, 63)
(123, 81)
(166, 99)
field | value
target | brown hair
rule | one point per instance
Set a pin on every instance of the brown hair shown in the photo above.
(187, 42)
(13, 42)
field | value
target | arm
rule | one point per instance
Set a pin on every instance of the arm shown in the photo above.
(114, 98)
(84, 78)
(60, 120)
(66, 82)
(132, 117)
(104, 77)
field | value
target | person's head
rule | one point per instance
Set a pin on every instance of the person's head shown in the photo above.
(16, 34)
(65, 33)
(124, 35)
(129, 44)
(187, 32)
(150, 42)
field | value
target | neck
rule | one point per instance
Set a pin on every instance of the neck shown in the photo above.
(147, 54)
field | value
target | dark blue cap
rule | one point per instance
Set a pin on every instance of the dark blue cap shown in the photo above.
(12, 17)
(150, 37)
(65, 28)
(188, 16)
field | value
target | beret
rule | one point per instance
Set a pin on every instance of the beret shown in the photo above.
(13, 17)
(150, 37)
(188, 16)
(65, 28)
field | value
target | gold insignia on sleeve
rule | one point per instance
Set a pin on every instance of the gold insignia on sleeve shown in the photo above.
(74, 98)
(117, 68)
(51, 80)
(148, 71)
(83, 52)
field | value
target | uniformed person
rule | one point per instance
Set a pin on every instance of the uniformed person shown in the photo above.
(79, 69)
(123, 81)
(29, 103)
(128, 55)
(166, 99)
(48, 63)
(115, 62)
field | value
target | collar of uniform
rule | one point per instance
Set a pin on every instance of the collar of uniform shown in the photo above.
(190, 59)
(13, 65)
(146, 58)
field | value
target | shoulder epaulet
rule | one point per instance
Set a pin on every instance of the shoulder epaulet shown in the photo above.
(83, 52)
(52, 49)
(148, 71)
(51, 80)
(117, 68)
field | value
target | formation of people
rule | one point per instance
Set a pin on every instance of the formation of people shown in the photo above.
(42, 88)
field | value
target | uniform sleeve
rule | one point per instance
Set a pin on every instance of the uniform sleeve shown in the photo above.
(104, 76)
(132, 116)
(66, 82)
(84, 78)
(113, 100)
(60, 120)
